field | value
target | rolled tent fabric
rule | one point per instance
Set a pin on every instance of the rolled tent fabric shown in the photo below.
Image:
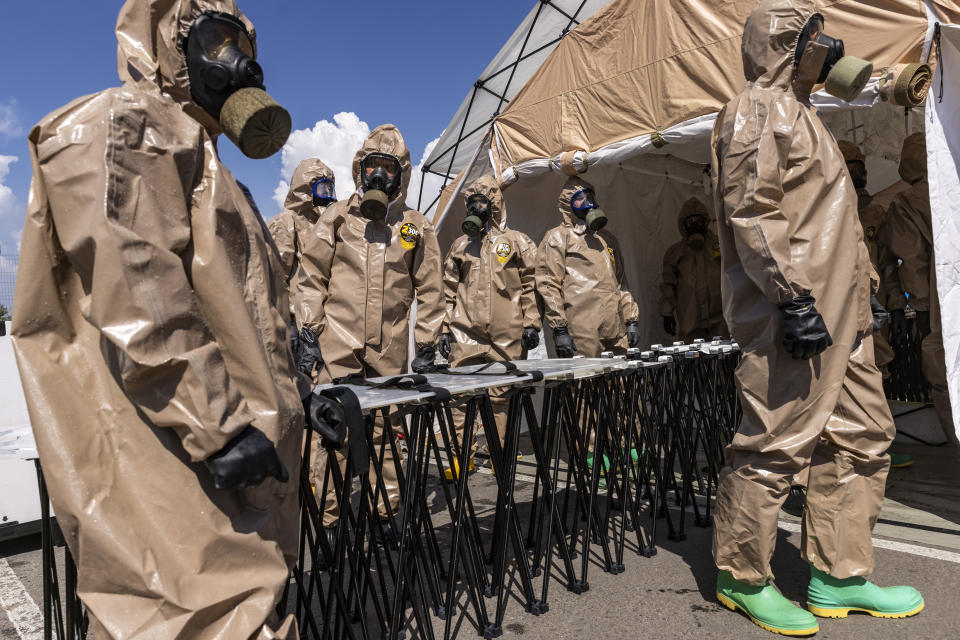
(906, 85)
(150, 328)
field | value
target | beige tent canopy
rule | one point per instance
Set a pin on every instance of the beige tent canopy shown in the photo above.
(629, 98)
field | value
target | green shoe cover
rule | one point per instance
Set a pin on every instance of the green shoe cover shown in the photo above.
(765, 606)
(900, 460)
(830, 597)
(634, 456)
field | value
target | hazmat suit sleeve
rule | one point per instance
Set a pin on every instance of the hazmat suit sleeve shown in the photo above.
(451, 283)
(906, 242)
(528, 283)
(130, 242)
(428, 280)
(281, 228)
(549, 277)
(313, 276)
(629, 311)
(752, 190)
(668, 285)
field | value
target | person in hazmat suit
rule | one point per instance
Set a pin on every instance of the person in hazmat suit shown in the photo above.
(797, 284)
(581, 279)
(312, 190)
(872, 219)
(490, 290)
(690, 302)
(366, 261)
(150, 328)
(910, 238)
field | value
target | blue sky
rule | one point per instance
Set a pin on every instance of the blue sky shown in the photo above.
(410, 63)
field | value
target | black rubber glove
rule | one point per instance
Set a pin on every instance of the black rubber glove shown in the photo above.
(804, 333)
(424, 362)
(898, 323)
(444, 344)
(308, 355)
(530, 339)
(670, 325)
(246, 461)
(633, 334)
(325, 416)
(563, 342)
(923, 323)
(880, 316)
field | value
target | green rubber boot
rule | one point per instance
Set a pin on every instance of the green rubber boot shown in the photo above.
(765, 606)
(606, 462)
(900, 460)
(830, 597)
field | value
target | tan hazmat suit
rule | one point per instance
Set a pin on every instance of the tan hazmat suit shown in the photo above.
(490, 290)
(690, 289)
(873, 219)
(150, 328)
(581, 279)
(289, 227)
(910, 237)
(357, 281)
(788, 226)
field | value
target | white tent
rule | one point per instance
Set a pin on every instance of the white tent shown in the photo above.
(531, 43)
(635, 115)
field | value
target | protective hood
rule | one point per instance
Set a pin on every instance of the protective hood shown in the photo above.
(851, 152)
(913, 158)
(386, 139)
(770, 38)
(690, 208)
(150, 37)
(300, 197)
(570, 187)
(489, 187)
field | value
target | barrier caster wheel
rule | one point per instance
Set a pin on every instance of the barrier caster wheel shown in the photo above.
(492, 631)
(491, 591)
(579, 587)
(539, 607)
(676, 536)
(650, 551)
(615, 568)
(703, 523)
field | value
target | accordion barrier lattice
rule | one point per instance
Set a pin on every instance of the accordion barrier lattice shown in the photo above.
(625, 451)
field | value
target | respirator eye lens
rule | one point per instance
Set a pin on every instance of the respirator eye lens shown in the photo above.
(215, 34)
(583, 200)
(375, 161)
(323, 188)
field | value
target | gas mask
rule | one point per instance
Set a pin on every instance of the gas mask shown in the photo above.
(227, 83)
(843, 76)
(696, 227)
(380, 175)
(478, 214)
(584, 205)
(324, 193)
(858, 173)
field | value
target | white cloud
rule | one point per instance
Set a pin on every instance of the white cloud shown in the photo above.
(8, 202)
(333, 142)
(9, 122)
(17, 236)
(432, 183)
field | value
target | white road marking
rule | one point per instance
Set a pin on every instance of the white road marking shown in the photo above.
(903, 547)
(18, 605)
